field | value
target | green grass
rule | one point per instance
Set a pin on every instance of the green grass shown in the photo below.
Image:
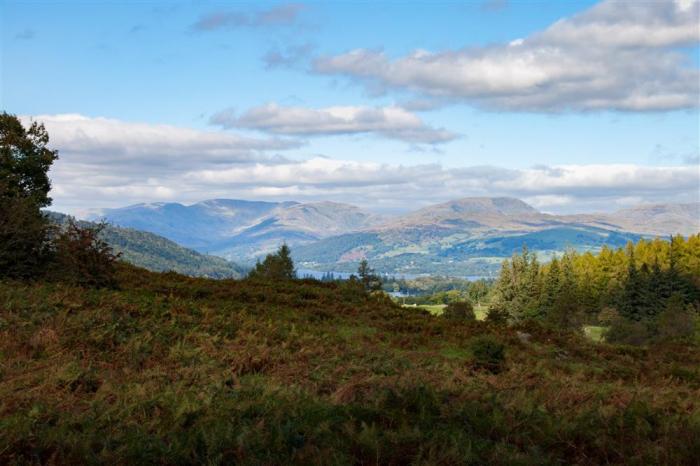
(437, 309)
(594, 332)
(175, 370)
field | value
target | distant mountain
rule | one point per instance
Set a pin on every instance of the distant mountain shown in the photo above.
(469, 236)
(657, 219)
(158, 254)
(241, 229)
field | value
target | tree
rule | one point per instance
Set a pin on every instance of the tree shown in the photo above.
(369, 279)
(24, 187)
(25, 161)
(277, 266)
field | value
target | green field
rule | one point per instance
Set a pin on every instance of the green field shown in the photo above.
(436, 309)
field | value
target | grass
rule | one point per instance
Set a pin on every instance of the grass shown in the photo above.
(175, 370)
(437, 309)
(594, 332)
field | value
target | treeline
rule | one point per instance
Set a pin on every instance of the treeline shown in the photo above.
(639, 291)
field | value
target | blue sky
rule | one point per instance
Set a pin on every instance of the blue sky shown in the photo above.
(309, 101)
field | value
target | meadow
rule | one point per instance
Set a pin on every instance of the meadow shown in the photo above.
(169, 369)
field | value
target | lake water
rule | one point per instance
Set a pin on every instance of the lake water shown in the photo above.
(345, 275)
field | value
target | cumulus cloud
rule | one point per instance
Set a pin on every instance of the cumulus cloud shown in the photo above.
(614, 56)
(388, 186)
(107, 141)
(280, 15)
(112, 163)
(389, 122)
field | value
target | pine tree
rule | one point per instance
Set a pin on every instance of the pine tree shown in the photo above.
(277, 266)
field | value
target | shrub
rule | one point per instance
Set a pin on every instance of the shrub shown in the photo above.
(627, 332)
(461, 310)
(489, 353)
(677, 320)
(497, 315)
(82, 258)
(608, 315)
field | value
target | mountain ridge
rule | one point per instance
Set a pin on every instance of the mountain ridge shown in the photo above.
(471, 233)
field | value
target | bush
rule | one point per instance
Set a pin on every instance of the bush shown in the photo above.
(627, 332)
(497, 315)
(82, 258)
(489, 353)
(677, 320)
(461, 310)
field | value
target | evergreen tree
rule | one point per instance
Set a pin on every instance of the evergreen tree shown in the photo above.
(551, 287)
(369, 279)
(631, 302)
(277, 266)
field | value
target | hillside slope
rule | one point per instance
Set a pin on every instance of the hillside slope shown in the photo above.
(176, 370)
(159, 254)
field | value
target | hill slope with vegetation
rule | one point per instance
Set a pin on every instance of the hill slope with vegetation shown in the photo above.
(175, 370)
(159, 254)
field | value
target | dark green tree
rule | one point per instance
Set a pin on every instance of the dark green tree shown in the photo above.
(631, 302)
(24, 187)
(369, 279)
(277, 266)
(25, 161)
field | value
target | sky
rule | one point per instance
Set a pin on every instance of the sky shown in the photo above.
(572, 106)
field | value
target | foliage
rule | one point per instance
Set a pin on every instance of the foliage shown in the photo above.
(24, 238)
(678, 320)
(636, 282)
(489, 353)
(277, 266)
(168, 369)
(81, 257)
(461, 310)
(370, 280)
(156, 253)
(24, 187)
(25, 161)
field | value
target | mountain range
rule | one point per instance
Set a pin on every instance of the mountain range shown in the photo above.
(467, 236)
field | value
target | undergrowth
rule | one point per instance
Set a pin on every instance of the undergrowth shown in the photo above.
(174, 370)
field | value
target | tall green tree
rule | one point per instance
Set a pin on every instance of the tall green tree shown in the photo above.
(24, 189)
(369, 279)
(25, 160)
(277, 266)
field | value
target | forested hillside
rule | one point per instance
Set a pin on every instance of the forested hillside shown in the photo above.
(159, 254)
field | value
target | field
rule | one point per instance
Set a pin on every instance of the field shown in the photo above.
(175, 370)
(436, 309)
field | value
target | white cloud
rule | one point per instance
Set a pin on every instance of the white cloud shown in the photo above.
(616, 55)
(106, 141)
(390, 122)
(110, 163)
